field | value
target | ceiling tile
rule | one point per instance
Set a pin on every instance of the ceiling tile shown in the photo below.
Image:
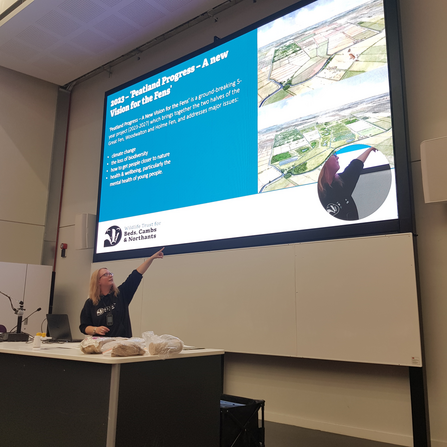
(116, 28)
(37, 38)
(57, 23)
(141, 12)
(50, 64)
(172, 5)
(18, 50)
(83, 10)
(88, 33)
(111, 3)
(92, 41)
(71, 54)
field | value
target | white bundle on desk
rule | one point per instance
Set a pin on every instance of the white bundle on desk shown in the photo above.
(93, 345)
(124, 347)
(114, 346)
(162, 345)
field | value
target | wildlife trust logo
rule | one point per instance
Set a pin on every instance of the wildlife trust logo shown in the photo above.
(113, 236)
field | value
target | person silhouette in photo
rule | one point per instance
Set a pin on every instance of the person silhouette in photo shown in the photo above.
(335, 190)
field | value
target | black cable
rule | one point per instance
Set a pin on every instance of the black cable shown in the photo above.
(32, 313)
(7, 296)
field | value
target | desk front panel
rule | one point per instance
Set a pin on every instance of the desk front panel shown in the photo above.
(173, 403)
(53, 402)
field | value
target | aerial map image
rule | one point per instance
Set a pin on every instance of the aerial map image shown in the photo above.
(322, 85)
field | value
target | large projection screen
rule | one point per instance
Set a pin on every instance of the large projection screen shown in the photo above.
(286, 131)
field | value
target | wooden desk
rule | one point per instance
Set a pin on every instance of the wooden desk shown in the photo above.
(58, 396)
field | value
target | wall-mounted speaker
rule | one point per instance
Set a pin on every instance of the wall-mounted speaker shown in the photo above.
(84, 231)
(433, 165)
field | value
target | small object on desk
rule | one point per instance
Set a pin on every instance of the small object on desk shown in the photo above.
(37, 343)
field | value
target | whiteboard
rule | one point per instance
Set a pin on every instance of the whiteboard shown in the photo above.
(351, 299)
(357, 300)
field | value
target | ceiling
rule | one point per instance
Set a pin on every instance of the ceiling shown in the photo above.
(61, 40)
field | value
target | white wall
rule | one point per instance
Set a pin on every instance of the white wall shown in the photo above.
(27, 112)
(424, 40)
(369, 401)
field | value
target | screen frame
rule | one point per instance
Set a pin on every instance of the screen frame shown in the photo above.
(403, 224)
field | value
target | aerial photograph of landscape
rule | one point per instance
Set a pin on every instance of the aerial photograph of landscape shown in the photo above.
(322, 85)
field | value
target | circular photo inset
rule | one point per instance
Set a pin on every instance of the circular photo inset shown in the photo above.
(354, 182)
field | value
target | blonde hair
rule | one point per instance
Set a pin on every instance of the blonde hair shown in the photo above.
(94, 290)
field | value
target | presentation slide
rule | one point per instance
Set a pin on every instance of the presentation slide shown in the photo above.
(285, 128)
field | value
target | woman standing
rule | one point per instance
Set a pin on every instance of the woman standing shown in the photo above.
(335, 190)
(106, 311)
